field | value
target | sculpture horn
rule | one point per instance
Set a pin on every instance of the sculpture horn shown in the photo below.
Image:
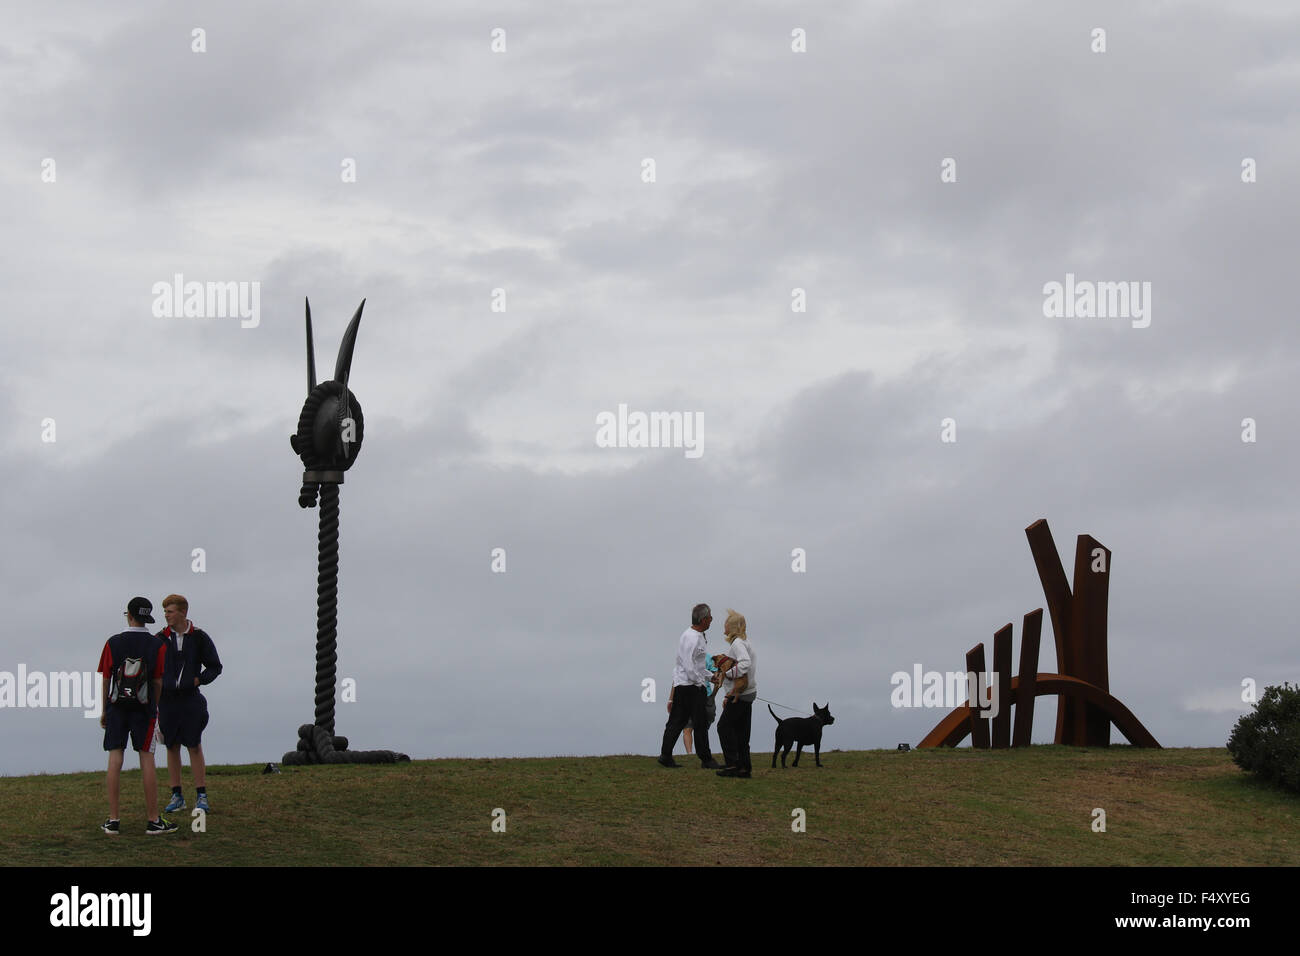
(311, 352)
(346, 346)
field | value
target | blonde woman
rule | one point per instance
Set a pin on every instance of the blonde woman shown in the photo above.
(739, 688)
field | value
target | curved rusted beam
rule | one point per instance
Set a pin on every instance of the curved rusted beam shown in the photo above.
(953, 729)
(1056, 588)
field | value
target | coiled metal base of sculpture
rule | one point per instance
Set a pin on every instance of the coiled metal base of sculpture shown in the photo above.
(318, 745)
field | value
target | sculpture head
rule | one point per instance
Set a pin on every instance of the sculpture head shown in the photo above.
(330, 426)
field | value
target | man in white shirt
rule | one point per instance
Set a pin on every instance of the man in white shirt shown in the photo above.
(690, 677)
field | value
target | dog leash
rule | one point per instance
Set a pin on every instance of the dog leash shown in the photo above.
(782, 706)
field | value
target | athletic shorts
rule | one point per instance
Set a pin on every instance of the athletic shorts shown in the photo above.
(181, 718)
(138, 723)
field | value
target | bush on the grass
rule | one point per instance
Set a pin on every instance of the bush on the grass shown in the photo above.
(1266, 741)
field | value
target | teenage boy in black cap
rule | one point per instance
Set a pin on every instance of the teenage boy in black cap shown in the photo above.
(132, 665)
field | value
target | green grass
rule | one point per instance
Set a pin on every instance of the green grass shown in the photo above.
(1188, 807)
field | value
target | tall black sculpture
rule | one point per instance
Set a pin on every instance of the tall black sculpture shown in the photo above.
(328, 441)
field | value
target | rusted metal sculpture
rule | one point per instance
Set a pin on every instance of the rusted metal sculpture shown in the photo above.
(1085, 708)
(328, 440)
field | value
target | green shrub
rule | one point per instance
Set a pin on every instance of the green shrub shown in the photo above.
(1266, 742)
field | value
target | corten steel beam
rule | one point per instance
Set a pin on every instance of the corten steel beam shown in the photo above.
(953, 729)
(1030, 634)
(978, 727)
(1076, 728)
(1088, 635)
(1057, 591)
(1002, 667)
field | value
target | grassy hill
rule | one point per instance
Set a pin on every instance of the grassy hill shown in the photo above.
(1020, 807)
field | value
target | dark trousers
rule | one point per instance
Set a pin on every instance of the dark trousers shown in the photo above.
(733, 733)
(688, 704)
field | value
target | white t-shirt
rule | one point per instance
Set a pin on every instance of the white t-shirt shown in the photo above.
(746, 666)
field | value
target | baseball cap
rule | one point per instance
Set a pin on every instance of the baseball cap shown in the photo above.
(141, 609)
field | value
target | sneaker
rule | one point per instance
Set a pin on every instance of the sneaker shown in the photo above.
(112, 827)
(177, 803)
(154, 827)
(201, 803)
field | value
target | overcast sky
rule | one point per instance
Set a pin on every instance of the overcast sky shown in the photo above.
(793, 147)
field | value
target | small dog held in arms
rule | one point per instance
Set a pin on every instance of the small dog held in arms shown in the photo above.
(801, 730)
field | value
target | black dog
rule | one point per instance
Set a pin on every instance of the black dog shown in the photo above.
(804, 730)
